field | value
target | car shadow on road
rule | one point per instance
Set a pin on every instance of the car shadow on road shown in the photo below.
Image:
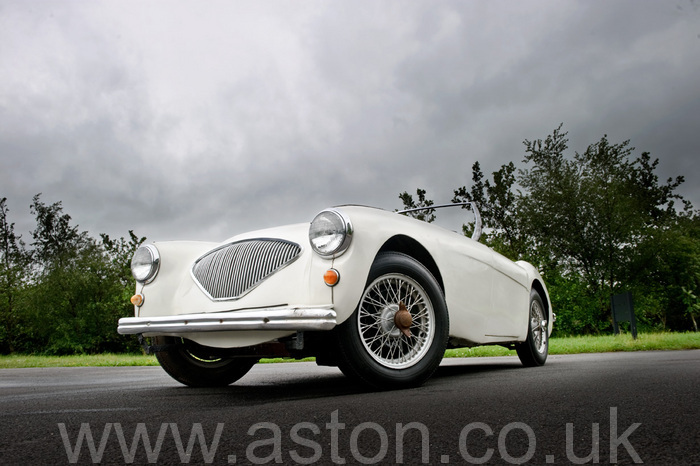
(474, 367)
(261, 387)
(308, 385)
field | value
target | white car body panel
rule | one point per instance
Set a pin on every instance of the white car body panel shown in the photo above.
(487, 295)
(487, 301)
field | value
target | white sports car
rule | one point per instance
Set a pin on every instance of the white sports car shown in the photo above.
(378, 294)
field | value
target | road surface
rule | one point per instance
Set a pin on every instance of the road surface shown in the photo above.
(595, 408)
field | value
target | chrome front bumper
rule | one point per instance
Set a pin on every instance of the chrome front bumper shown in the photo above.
(293, 319)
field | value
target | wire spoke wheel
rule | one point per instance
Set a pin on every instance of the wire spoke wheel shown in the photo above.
(534, 350)
(376, 318)
(538, 327)
(398, 333)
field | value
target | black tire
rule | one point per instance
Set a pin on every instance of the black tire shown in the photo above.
(373, 344)
(193, 365)
(533, 351)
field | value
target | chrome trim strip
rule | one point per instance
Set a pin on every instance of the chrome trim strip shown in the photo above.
(289, 318)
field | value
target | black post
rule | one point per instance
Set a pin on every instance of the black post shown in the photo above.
(623, 310)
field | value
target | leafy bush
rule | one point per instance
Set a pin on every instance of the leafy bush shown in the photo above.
(66, 294)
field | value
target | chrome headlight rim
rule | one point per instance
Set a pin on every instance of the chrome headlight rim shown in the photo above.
(338, 233)
(145, 264)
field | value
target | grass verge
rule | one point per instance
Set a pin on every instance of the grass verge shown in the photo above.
(562, 345)
(597, 344)
(77, 360)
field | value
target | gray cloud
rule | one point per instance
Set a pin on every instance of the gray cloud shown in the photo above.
(199, 120)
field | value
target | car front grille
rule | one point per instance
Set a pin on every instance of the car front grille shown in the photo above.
(231, 271)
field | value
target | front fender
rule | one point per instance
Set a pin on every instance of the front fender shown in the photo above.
(536, 281)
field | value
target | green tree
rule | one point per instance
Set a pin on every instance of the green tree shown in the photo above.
(14, 264)
(597, 223)
(692, 305)
(498, 203)
(665, 272)
(592, 211)
(427, 215)
(56, 241)
(79, 289)
(120, 252)
(598, 213)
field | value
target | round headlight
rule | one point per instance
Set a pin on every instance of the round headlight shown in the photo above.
(145, 263)
(330, 233)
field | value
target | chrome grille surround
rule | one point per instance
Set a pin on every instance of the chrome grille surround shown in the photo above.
(234, 269)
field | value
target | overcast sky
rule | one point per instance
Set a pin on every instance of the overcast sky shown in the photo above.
(200, 120)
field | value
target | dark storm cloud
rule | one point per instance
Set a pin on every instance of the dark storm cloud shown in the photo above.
(184, 121)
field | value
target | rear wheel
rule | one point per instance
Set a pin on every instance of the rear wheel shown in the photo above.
(397, 336)
(533, 351)
(197, 366)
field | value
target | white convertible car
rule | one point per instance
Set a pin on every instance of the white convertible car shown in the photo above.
(378, 294)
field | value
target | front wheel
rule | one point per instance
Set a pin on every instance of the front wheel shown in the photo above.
(193, 365)
(397, 336)
(533, 351)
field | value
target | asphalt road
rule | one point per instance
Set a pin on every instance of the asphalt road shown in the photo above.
(608, 408)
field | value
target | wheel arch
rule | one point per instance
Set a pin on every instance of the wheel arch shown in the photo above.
(367, 349)
(409, 246)
(539, 287)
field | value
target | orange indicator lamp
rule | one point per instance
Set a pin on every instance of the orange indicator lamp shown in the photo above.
(331, 277)
(137, 300)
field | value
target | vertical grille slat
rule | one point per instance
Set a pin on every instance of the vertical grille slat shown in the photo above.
(231, 271)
